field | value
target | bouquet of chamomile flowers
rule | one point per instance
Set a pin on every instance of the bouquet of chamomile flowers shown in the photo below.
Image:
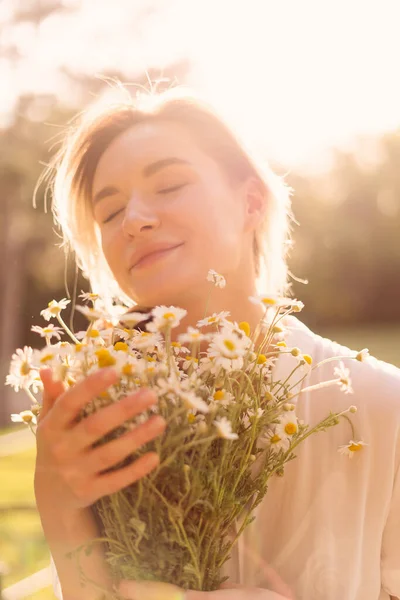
(230, 427)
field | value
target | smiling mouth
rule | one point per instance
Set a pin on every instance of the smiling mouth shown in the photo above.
(149, 259)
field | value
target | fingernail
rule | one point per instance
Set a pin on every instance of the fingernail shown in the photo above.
(151, 590)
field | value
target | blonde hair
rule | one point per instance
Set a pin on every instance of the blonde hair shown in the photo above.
(72, 169)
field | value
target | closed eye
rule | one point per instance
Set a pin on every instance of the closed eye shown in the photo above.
(164, 191)
(171, 189)
(114, 214)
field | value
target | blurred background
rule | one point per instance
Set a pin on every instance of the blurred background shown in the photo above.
(312, 84)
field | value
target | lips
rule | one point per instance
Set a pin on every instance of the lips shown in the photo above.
(153, 255)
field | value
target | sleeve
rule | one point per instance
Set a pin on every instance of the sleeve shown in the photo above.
(390, 554)
(55, 580)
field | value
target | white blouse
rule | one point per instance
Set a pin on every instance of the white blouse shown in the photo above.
(330, 527)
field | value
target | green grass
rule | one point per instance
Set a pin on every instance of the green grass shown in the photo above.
(23, 547)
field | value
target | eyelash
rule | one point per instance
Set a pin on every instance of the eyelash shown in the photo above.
(165, 191)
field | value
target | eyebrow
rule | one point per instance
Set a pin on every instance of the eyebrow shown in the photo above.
(148, 171)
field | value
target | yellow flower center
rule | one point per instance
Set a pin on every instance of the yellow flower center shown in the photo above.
(191, 418)
(150, 359)
(355, 447)
(268, 301)
(229, 345)
(122, 346)
(307, 358)
(104, 358)
(282, 344)
(290, 428)
(127, 369)
(94, 333)
(212, 319)
(46, 358)
(168, 315)
(176, 344)
(275, 439)
(219, 395)
(244, 326)
(26, 417)
(25, 368)
(261, 359)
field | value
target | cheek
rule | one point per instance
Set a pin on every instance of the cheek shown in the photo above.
(112, 245)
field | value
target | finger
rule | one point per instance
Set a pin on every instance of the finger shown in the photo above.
(109, 483)
(70, 403)
(51, 391)
(113, 452)
(95, 426)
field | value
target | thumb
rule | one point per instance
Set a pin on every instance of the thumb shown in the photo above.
(51, 391)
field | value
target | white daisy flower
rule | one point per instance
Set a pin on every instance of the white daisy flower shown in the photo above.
(190, 361)
(178, 349)
(274, 301)
(224, 429)
(46, 357)
(214, 319)
(363, 355)
(252, 415)
(133, 318)
(351, 448)
(88, 296)
(255, 413)
(223, 397)
(208, 365)
(166, 316)
(54, 308)
(169, 387)
(26, 416)
(288, 425)
(193, 336)
(276, 441)
(344, 380)
(21, 373)
(228, 349)
(217, 279)
(144, 340)
(92, 314)
(48, 332)
(94, 337)
(191, 401)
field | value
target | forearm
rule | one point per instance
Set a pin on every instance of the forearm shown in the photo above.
(63, 534)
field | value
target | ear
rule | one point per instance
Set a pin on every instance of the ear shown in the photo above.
(255, 200)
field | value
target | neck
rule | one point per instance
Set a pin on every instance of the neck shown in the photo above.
(234, 299)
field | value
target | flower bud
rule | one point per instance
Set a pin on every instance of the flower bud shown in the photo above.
(202, 427)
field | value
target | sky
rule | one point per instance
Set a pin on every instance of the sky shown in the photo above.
(295, 76)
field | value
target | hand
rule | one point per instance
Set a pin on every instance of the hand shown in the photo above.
(69, 471)
(132, 590)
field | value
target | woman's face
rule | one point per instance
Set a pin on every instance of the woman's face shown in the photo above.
(154, 187)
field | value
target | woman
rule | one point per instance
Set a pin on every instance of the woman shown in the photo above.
(152, 194)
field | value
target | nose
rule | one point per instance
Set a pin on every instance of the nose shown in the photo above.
(139, 218)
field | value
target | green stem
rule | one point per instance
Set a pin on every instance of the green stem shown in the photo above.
(67, 329)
